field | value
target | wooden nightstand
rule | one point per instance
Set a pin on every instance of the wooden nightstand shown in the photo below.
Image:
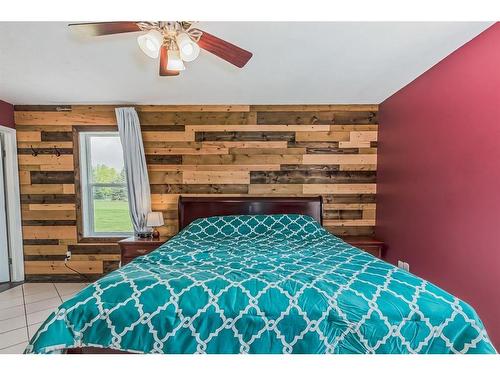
(133, 247)
(368, 244)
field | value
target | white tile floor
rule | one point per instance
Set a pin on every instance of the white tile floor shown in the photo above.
(24, 308)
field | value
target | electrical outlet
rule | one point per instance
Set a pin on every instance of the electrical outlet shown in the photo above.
(403, 265)
(68, 256)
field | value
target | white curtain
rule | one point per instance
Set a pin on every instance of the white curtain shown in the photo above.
(139, 196)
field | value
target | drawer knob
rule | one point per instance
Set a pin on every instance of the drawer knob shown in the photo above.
(142, 251)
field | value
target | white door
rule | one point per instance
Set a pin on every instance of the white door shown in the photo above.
(4, 241)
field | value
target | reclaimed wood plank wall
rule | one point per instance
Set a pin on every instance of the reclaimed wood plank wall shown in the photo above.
(287, 150)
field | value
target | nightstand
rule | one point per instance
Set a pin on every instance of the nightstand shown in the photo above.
(133, 247)
(365, 243)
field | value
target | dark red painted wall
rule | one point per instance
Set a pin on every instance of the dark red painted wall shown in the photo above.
(439, 176)
(6, 114)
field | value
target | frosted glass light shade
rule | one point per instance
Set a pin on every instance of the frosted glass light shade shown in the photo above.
(174, 61)
(154, 219)
(188, 49)
(150, 43)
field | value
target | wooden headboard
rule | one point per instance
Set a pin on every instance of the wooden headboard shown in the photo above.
(192, 208)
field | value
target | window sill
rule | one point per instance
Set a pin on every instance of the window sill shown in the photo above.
(101, 239)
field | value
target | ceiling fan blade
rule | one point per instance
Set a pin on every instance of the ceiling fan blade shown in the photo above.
(225, 50)
(163, 63)
(106, 28)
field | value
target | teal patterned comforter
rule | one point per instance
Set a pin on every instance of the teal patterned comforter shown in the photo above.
(262, 284)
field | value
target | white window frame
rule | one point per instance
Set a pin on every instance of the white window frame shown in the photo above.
(87, 185)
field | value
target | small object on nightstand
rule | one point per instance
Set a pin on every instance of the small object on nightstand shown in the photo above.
(155, 219)
(133, 247)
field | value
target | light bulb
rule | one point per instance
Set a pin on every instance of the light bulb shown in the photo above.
(189, 50)
(150, 43)
(174, 61)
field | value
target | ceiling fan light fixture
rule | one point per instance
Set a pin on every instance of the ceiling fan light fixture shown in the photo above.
(173, 42)
(150, 43)
(189, 50)
(174, 61)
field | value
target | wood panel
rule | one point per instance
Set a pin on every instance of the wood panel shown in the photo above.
(199, 150)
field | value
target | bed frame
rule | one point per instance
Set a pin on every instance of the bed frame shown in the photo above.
(192, 208)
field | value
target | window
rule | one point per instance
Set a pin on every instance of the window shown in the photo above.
(105, 211)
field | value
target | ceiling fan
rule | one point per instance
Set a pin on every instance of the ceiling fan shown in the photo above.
(173, 41)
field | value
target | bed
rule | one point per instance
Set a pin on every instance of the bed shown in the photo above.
(260, 275)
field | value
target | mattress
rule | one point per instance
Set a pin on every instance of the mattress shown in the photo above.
(262, 284)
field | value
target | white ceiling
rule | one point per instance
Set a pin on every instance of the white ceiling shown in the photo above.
(293, 62)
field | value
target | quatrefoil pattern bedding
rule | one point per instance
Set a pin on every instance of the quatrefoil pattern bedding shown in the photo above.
(262, 284)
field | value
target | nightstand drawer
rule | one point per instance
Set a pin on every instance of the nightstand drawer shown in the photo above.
(136, 250)
(373, 250)
(368, 244)
(135, 247)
